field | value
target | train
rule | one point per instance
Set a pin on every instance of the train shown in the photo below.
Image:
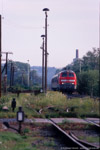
(64, 81)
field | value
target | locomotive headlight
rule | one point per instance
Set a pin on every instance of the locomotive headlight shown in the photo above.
(72, 80)
(63, 80)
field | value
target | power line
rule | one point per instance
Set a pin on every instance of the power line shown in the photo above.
(15, 25)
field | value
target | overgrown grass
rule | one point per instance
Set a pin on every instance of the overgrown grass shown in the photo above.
(31, 139)
(89, 139)
(12, 141)
(53, 104)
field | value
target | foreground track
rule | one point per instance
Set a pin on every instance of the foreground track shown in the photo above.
(72, 141)
(86, 144)
(69, 139)
(94, 122)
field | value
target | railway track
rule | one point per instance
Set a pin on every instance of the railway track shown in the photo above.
(86, 144)
(77, 95)
(73, 95)
(93, 122)
(71, 140)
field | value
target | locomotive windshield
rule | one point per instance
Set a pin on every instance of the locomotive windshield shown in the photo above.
(64, 74)
(71, 75)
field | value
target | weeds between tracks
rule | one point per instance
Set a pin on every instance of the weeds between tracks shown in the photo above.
(60, 106)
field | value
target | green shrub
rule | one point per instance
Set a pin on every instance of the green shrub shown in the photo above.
(26, 130)
(53, 104)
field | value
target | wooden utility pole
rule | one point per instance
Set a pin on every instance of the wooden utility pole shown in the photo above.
(12, 70)
(6, 70)
(11, 75)
(0, 55)
(6, 60)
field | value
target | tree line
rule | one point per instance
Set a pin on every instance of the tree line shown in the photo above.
(17, 76)
(87, 70)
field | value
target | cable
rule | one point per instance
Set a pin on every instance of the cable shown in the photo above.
(7, 21)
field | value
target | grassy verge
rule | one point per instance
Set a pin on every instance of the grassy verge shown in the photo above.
(53, 104)
(89, 139)
(31, 139)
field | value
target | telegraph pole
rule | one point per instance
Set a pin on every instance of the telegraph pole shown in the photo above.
(6, 60)
(5, 77)
(46, 53)
(11, 75)
(0, 55)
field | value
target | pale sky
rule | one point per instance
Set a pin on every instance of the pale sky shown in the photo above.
(72, 24)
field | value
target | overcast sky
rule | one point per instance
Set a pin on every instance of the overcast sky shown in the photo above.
(72, 24)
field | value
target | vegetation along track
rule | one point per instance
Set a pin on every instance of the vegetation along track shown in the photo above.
(73, 95)
(70, 140)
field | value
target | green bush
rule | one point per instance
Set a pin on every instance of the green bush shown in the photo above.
(53, 104)
(88, 82)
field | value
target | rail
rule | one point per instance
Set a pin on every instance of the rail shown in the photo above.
(71, 139)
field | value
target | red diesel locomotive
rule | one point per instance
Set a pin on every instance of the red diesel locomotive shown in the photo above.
(64, 81)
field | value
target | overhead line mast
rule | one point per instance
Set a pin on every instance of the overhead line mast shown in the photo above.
(0, 55)
(99, 50)
(46, 53)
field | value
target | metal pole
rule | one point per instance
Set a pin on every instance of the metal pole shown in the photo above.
(43, 66)
(28, 74)
(46, 52)
(43, 59)
(20, 127)
(0, 55)
(99, 50)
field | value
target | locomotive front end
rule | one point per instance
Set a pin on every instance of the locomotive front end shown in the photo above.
(67, 81)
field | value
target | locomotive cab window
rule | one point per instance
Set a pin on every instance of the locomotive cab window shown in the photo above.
(64, 74)
(71, 75)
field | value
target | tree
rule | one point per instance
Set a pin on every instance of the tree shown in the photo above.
(88, 82)
(91, 60)
(34, 78)
(87, 71)
(21, 75)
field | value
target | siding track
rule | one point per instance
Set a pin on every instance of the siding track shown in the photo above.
(72, 141)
